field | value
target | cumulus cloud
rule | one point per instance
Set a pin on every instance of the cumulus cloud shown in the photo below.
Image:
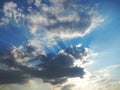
(25, 62)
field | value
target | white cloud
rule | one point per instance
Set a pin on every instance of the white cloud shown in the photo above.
(63, 19)
(37, 3)
(106, 72)
(22, 54)
(103, 77)
(18, 53)
(70, 17)
(8, 7)
(36, 22)
(11, 10)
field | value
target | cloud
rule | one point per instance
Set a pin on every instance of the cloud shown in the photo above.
(56, 18)
(68, 87)
(44, 56)
(12, 12)
(108, 73)
(11, 76)
(37, 2)
(69, 17)
(104, 77)
(109, 68)
(60, 69)
(25, 62)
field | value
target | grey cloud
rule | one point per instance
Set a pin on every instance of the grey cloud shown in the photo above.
(61, 66)
(54, 70)
(7, 58)
(12, 76)
(68, 87)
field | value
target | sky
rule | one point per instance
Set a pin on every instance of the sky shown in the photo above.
(59, 45)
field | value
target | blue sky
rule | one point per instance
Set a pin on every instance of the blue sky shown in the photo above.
(59, 44)
(106, 37)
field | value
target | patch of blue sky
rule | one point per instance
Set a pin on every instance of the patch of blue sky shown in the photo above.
(51, 51)
(47, 2)
(13, 35)
(106, 38)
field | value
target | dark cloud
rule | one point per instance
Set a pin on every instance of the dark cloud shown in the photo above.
(7, 58)
(54, 70)
(11, 76)
(60, 68)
